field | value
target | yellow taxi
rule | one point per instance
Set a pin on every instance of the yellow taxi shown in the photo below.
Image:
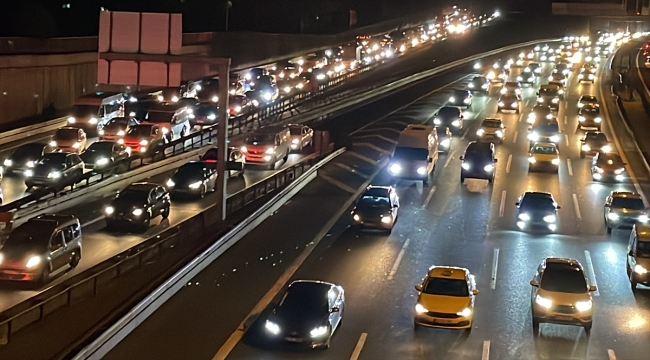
(544, 156)
(491, 129)
(446, 299)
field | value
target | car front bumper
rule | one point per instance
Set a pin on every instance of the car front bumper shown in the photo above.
(563, 317)
(442, 320)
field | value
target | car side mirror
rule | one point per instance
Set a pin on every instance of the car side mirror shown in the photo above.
(335, 309)
(517, 203)
(496, 160)
(475, 292)
(534, 283)
(395, 206)
(558, 207)
(418, 287)
(462, 157)
(530, 128)
(593, 288)
(631, 253)
(430, 160)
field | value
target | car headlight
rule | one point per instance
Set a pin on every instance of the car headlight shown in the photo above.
(165, 131)
(161, 98)
(643, 218)
(270, 151)
(532, 117)
(422, 170)
(503, 90)
(2, 257)
(295, 141)
(465, 312)
(170, 183)
(619, 171)
(470, 85)
(437, 121)
(519, 78)
(8, 162)
(613, 216)
(33, 261)
(101, 132)
(598, 119)
(76, 145)
(102, 161)
(514, 104)
(555, 138)
(356, 217)
(499, 133)
(29, 173)
(580, 76)
(480, 132)
(120, 133)
(586, 147)
(543, 302)
(488, 167)
(109, 210)
(550, 218)
(93, 121)
(215, 99)
(455, 123)
(532, 160)
(319, 331)
(466, 100)
(287, 89)
(465, 166)
(53, 143)
(555, 161)
(71, 120)
(501, 103)
(640, 269)
(395, 169)
(212, 117)
(555, 100)
(174, 98)
(581, 118)
(584, 305)
(540, 99)
(54, 175)
(267, 96)
(599, 169)
(452, 99)
(272, 327)
(195, 185)
(533, 136)
(445, 143)
(386, 219)
(137, 212)
(420, 309)
(524, 217)
(144, 142)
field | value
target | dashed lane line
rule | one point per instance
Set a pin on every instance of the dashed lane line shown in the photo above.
(398, 260)
(357, 349)
(374, 147)
(339, 184)
(591, 273)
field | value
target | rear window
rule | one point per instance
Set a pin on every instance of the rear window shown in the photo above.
(66, 134)
(541, 149)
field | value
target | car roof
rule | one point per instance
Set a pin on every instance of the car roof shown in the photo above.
(374, 190)
(539, 194)
(448, 272)
(563, 261)
(625, 194)
(57, 218)
(142, 186)
(643, 232)
(310, 284)
(544, 143)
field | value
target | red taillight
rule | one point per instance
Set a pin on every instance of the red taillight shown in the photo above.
(210, 161)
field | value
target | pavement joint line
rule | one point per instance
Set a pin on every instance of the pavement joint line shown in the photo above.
(362, 157)
(351, 169)
(565, 119)
(591, 272)
(514, 140)
(97, 219)
(566, 140)
(569, 167)
(337, 183)
(379, 129)
(264, 302)
(398, 260)
(611, 354)
(495, 265)
(576, 206)
(378, 136)
(429, 197)
(508, 163)
(357, 348)
(502, 207)
(486, 350)
(374, 147)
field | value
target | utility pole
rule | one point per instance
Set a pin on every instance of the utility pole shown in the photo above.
(228, 6)
(222, 137)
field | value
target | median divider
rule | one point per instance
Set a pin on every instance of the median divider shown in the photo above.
(14, 135)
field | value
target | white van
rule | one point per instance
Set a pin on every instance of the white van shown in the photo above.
(416, 153)
(92, 111)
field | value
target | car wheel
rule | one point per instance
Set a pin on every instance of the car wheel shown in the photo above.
(415, 326)
(609, 230)
(202, 192)
(272, 166)
(165, 213)
(286, 157)
(535, 325)
(587, 328)
(75, 259)
(633, 282)
(45, 275)
(145, 222)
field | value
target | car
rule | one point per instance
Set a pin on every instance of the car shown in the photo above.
(511, 87)
(537, 210)
(238, 104)
(540, 114)
(491, 129)
(623, 209)
(144, 139)
(590, 67)
(593, 142)
(115, 128)
(376, 208)
(586, 76)
(69, 139)
(608, 166)
(451, 117)
(561, 68)
(173, 120)
(547, 132)
(194, 179)
(561, 294)
(461, 98)
(558, 77)
(308, 313)
(509, 102)
(204, 114)
(549, 95)
(526, 77)
(104, 154)
(588, 101)
(478, 162)
(544, 156)
(41, 246)
(560, 85)
(302, 136)
(444, 138)
(499, 75)
(236, 160)
(24, 157)
(446, 299)
(55, 169)
(479, 83)
(137, 205)
(267, 145)
(534, 67)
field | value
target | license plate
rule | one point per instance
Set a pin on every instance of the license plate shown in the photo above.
(564, 318)
(443, 321)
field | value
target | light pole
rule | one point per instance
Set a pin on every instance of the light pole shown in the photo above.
(228, 6)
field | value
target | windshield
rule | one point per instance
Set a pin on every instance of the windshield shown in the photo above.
(33, 234)
(642, 249)
(547, 129)
(509, 98)
(205, 111)
(117, 122)
(564, 279)
(491, 124)
(194, 170)
(627, 203)
(541, 149)
(160, 116)
(66, 134)
(446, 287)
(374, 201)
(588, 99)
(295, 130)
(262, 139)
(600, 138)
(57, 159)
(449, 112)
(541, 203)
(100, 147)
(138, 131)
(460, 93)
(547, 92)
(408, 153)
(304, 300)
(85, 110)
(134, 195)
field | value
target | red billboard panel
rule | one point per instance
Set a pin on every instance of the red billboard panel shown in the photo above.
(125, 30)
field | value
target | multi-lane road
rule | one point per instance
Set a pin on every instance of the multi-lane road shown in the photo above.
(445, 223)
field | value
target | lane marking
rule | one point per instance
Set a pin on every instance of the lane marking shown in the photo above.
(374, 147)
(429, 197)
(591, 272)
(339, 184)
(363, 157)
(357, 349)
(382, 137)
(576, 206)
(565, 119)
(503, 203)
(508, 163)
(611, 354)
(568, 165)
(449, 157)
(515, 138)
(495, 264)
(398, 260)
(566, 139)
(486, 350)
(352, 170)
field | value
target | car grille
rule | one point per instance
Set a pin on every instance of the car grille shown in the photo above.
(442, 315)
(565, 309)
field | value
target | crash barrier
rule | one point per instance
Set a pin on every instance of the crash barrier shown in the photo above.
(14, 135)
(171, 286)
(196, 230)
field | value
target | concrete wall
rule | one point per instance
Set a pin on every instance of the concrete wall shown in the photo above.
(589, 9)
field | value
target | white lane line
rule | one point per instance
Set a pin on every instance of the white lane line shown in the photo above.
(371, 136)
(398, 260)
(374, 147)
(429, 197)
(486, 350)
(352, 170)
(449, 157)
(495, 264)
(503, 203)
(565, 119)
(591, 272)
(357, 349)
(576, 206)
(568, 165)
(339, 184)
(515, 138)
(362, 157)
(99, 218)
(566, 139)
(611, 354)
(509, 163)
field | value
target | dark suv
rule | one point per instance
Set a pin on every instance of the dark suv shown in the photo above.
(451, 117)
(137, 205)
(478, 162)
(537, 210)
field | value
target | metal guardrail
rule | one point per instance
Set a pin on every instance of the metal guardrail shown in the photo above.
(10, 136)
(92, 281)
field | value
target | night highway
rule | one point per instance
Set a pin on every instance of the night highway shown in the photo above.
(445, 223)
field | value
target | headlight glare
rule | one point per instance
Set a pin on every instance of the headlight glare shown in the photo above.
(550, 218)
(543, 302)
(465, 312)
(395, 169)
(33, 261)
(195, 185)
(319, 331)
(137, 212)
(584, 305)
(272, 327)
(524, 217)
(420, 309)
